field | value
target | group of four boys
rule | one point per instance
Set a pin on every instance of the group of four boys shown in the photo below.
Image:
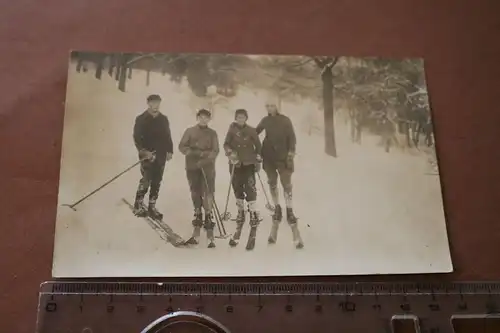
(200, 146)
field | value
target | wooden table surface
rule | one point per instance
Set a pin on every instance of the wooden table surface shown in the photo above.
(460, 41)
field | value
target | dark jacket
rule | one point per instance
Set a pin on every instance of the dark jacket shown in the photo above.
(244, 141)
(200, 145)
(280, 137)
(153, 134)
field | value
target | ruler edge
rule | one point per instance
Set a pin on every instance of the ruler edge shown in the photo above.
(274, 288)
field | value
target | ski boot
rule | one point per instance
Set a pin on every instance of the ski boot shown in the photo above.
(153, 212)
(292, 221)
(209, 227)
(254, 222)
(277, 217)
(240, 221)
(139, 209)
(197, 224)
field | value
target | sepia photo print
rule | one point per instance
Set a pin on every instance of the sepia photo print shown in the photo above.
(184, 164)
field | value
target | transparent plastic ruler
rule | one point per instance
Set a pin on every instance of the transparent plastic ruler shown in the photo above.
(113, 307)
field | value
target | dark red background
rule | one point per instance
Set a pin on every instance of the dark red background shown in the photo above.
(460, 41)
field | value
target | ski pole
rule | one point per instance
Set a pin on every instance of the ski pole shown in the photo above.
(73, 205)
(268, 203)
(226, 216)
(217, 213)
(219, 221)
(220, 224)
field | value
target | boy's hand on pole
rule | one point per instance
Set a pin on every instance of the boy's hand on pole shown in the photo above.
(147, 155)
(233, 158)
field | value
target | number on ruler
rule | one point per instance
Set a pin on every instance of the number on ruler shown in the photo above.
(289, 308)
(405, 307)
(259, 308)
(110, 308)
(199, 309)
(170, 309)
(51, 307)
(462, 306)
(434, 307)
(229, 309)
(318, 308)
(347, 306)
(491, 307)
(140, 308)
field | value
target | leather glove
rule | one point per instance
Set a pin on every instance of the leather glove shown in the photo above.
(233, 158)
(146, 155)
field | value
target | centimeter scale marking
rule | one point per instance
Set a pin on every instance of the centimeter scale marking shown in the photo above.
(268, 307)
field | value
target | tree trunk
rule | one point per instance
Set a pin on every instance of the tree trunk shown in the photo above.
(118, 64)
(327, 78)
(148, 77)
(111, 65)
(99, 67)
(123, 72)
(163, 68)
(408, 134)
(79, 64)
(117, 72)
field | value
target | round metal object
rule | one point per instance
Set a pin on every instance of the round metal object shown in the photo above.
(185, 322)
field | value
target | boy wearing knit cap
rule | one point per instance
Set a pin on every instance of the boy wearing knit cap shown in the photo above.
(242, 146)
(278, 152)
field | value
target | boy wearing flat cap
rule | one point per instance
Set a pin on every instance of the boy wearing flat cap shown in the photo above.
(153, 141)
(200, 145)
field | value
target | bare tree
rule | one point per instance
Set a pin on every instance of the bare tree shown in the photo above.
(326, 65)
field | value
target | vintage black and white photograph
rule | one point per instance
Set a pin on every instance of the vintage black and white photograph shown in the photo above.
(198, 164)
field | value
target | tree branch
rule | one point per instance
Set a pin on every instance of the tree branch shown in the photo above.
(142, 56)
(299, 64)
(318, 62)
(333, 62)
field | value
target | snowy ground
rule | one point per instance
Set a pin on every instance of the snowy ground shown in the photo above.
(366, 212)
